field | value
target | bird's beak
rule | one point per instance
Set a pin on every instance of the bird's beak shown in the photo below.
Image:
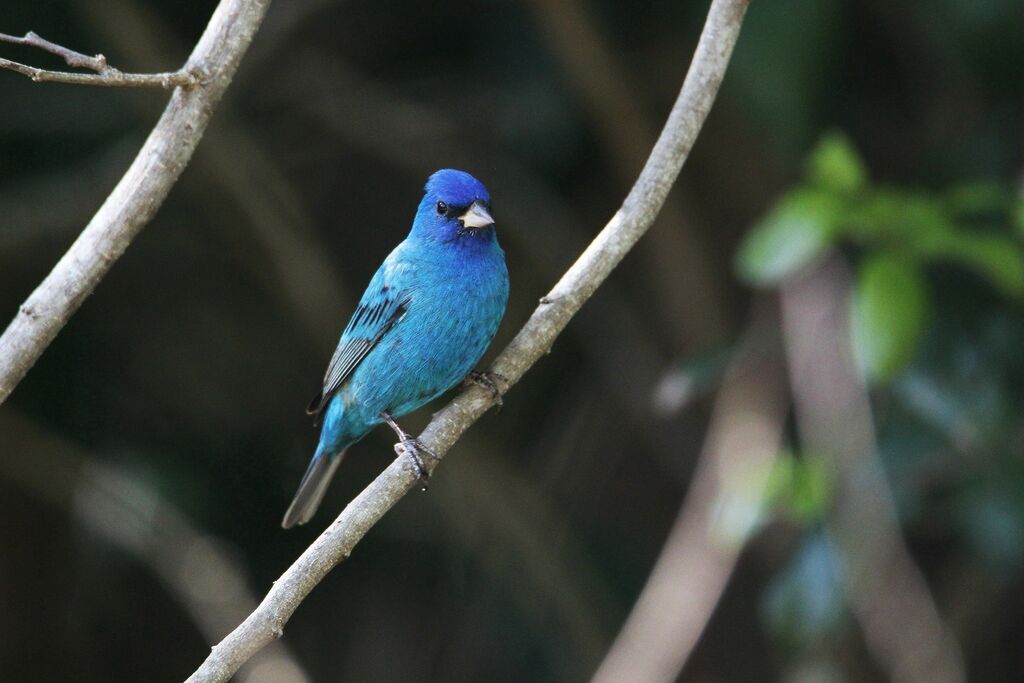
(476, 216)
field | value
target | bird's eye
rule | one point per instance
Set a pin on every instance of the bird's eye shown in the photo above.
(442, 208)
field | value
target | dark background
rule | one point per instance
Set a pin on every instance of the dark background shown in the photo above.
(165, 423)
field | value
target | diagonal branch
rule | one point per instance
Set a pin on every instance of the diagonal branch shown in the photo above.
(105, 74)
(137, 196)
(532, 342)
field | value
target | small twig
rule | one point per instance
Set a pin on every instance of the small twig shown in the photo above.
(97, 63)
(105, 75)
(110, 78)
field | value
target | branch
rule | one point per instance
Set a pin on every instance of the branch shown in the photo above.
(137, 196)
(105, 74)
(890, 597)
(719, 515)
(532, 342)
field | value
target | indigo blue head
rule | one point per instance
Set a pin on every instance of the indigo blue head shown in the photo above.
(455, 207)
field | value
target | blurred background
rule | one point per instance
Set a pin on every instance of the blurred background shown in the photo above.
(817, 346)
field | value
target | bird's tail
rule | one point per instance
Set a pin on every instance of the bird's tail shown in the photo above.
(311, 490)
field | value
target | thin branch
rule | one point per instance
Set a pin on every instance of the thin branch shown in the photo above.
(97, 63)
(137, 196)
(718, 517)
(105, 75)
(110, 78)
(532, 342)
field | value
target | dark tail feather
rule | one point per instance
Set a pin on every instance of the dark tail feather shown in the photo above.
(311, 490)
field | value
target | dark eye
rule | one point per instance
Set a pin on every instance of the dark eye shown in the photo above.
(442, 208)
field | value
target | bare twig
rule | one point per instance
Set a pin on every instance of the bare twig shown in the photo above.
(97, 63)
(105, 74)
(137, 196)
(111, 77)
(885, 589)
(720, 513)
(530, 344)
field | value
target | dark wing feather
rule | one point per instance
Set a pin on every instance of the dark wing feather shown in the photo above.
(377, 313)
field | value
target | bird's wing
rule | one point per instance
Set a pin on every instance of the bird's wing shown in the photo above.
(380, 309)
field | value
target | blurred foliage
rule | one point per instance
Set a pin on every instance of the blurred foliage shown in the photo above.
(804, 604)
(898, 233)
(189, 367)
(799, 488)
(889, 311)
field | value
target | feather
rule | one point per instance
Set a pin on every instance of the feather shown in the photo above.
(311, 490)
(381, 309)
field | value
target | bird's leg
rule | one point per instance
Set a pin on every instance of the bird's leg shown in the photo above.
(489, 381)
(411, 445)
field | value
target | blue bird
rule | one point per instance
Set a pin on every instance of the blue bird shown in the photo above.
(423, 323)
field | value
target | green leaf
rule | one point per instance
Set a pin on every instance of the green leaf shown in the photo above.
(995, 257)
(978, 198)
(889, 311)
(1017, 216)
(801, 487)
(911, 222)
(835, 165)
(792, 235)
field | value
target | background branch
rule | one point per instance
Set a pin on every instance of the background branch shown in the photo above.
(137, 196)
(205, 576)
(720, 513)
(530, 344)
(884, 587)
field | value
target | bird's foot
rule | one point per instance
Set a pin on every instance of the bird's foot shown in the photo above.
(489, 381)
(413, 447)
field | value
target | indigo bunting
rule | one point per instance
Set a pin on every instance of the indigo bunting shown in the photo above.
(423, 323)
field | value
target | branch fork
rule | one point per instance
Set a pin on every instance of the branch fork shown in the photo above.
(105, 74)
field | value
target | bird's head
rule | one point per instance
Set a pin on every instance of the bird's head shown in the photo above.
(455, 206)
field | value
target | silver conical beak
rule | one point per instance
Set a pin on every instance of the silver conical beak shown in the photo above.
(476, 217)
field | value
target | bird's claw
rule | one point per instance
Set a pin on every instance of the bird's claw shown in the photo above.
(413, 446)
(415, 449)
(488, 380)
